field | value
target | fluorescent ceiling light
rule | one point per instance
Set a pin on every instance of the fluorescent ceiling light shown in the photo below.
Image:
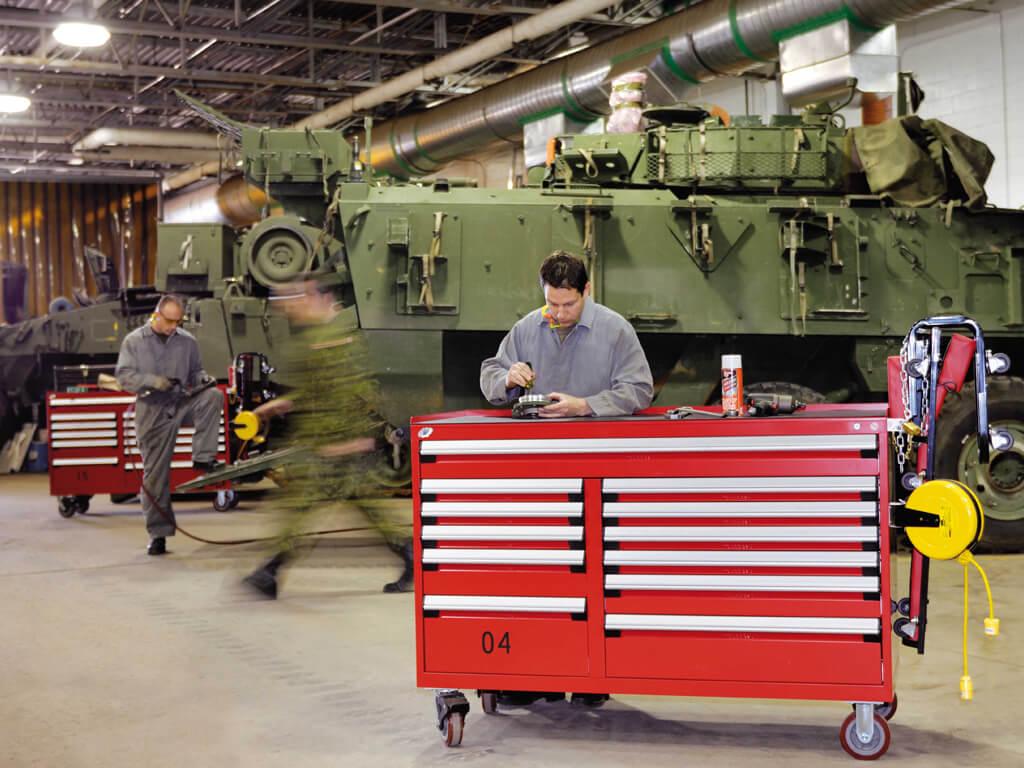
(79, 34)
(76, 161)
(11, 103)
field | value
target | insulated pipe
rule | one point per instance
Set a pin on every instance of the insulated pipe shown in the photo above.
(715, 38)
(147, 137)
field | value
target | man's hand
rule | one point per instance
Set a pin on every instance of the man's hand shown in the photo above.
(565, 406)
(359, 445)
(276, 407)
(519, 375)
(161, 383)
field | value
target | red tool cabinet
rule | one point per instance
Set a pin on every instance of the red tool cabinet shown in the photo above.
(93, 448)
(736, 557)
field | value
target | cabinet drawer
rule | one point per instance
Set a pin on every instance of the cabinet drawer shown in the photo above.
(744, 658)
(506, 645)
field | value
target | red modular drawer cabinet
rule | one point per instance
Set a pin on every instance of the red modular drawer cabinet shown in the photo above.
(93, 447)
(715, 557)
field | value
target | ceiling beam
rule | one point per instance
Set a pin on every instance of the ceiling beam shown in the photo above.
(17, 17)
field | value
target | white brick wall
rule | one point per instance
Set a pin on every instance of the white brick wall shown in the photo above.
(971, 66)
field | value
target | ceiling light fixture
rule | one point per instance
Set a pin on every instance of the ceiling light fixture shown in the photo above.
(12, 103)
(76, 161)
(80, 34)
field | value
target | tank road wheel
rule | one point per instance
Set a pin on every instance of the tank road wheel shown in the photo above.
(66, 506)
(453, 729)
(859, 750)
(489, 702)
(225, 500)
(1000, 483)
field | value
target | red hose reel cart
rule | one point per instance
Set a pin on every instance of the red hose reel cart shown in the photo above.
(731, 557)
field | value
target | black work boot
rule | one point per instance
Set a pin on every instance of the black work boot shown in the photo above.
(405, 581)
(157, 546)
(264, 578)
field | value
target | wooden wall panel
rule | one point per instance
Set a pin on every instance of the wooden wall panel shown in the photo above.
(44, 226)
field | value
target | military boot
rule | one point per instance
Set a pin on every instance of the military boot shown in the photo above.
(405, 581)
(264, 578)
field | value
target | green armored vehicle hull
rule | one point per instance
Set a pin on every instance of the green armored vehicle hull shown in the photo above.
(802, 246)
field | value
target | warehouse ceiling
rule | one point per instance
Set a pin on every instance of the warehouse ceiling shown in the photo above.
(272, 62)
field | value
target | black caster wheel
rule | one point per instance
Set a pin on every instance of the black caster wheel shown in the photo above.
(859, 750)
(66, 506)
(903, 606)
(236, 499)
(489, 702)
(225, 500)
(82, 504)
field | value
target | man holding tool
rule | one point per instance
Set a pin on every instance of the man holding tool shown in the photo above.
(586, 357)
(160, 363)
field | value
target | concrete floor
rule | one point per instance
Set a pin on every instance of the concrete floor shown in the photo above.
(111, 658)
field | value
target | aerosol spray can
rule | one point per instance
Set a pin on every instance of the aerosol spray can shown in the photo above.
(732, 384)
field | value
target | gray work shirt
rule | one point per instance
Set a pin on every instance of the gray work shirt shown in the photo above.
(144, 358)
(600, 360)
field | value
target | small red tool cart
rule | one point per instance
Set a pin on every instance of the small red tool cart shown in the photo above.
(93, 449)
(735, 557)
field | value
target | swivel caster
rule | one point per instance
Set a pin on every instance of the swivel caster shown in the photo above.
(866, 737)
(225, 500)
(452, 708)
(489, 702)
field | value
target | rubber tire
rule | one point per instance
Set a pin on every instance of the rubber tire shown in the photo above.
(236, 499)
(957, 420)
(489, 702)
(82, 504)
(852, 746)
(66, 506)
(453, 729)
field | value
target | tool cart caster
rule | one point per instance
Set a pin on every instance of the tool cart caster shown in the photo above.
(452, 708)
(225, 500)
(886, 710)
(488, 702)
(864, 734)
(67, 506)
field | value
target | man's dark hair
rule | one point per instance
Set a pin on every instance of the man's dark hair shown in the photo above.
(563, 270)
(171, 298)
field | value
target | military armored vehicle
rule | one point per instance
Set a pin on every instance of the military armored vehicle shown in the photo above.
(806, 248)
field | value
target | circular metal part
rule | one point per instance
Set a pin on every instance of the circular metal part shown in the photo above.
(1000, 483)
(280, 248)
(961, 520)
(529, 406)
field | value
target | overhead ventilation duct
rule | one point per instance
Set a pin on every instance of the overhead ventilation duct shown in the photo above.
(712, 39)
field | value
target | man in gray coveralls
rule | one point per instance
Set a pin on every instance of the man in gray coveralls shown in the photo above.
(158, 361)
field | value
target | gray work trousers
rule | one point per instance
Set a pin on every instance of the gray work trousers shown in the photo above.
(157, 429)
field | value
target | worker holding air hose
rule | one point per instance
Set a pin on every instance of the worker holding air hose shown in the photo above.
(160, 362)
(332, 415)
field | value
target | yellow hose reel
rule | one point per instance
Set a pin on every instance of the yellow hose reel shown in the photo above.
(961, 522)
(960, 519)
(247, 426)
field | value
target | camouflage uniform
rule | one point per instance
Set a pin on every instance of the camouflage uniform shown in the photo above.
(335, 401)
